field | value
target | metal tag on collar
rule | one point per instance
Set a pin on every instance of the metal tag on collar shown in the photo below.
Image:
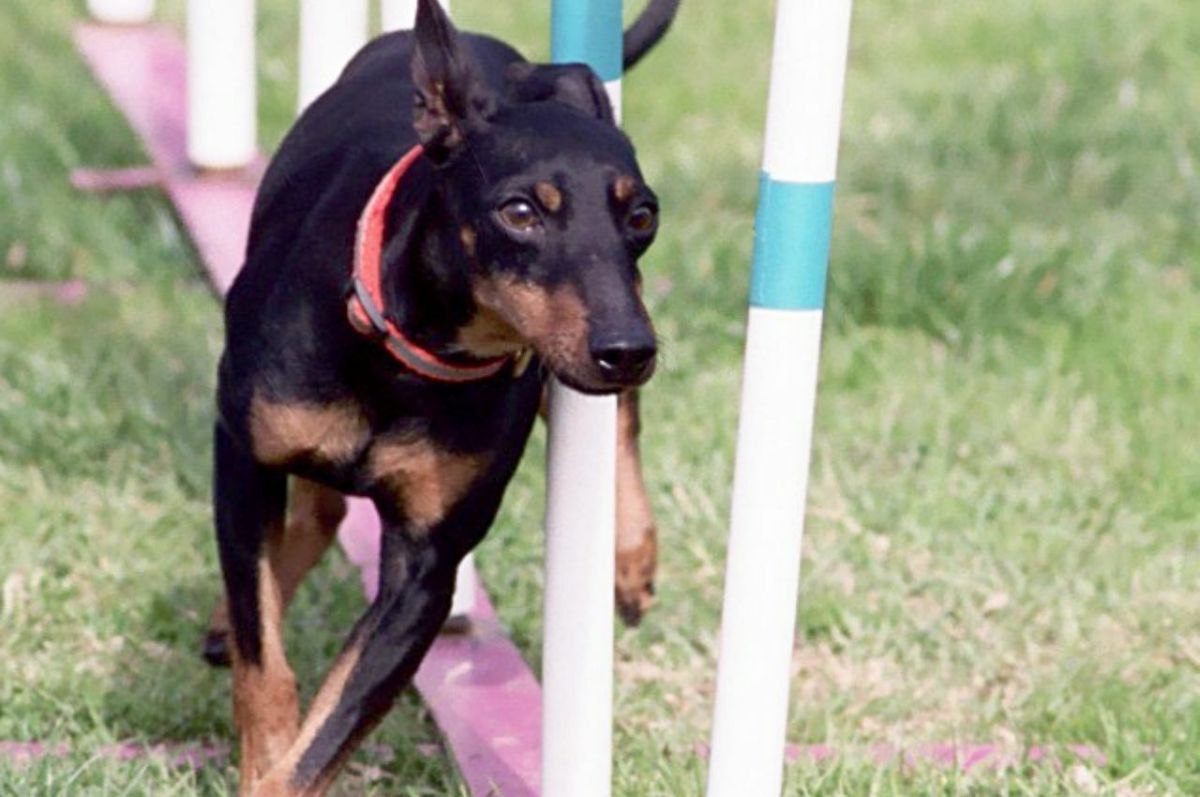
(521, 361)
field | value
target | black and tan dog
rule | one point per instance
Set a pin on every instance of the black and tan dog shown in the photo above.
(414, 270)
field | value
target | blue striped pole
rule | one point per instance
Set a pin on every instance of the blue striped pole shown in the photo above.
(783, 337)
(577, 642)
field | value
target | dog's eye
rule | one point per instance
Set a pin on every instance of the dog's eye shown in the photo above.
(519, 215)
(643, 219)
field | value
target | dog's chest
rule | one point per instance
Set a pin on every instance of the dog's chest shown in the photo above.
(423, 453)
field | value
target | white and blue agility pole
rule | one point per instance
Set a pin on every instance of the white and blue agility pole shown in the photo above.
(783, 338)
(577, 640)
(402, 14)
(331, 32)
(222, 124)
(121, 12)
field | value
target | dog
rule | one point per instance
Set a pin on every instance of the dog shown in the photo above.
(441, 230)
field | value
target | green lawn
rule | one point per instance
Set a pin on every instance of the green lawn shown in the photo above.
(1004, 525)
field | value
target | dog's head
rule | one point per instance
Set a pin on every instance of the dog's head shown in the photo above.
(547, 205)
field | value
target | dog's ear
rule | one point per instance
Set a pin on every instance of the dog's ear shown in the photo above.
(450, 98)
(572, 84)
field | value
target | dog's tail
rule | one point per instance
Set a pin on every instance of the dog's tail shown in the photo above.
(648, 29)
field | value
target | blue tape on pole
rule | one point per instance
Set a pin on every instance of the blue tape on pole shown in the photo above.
(791, 245)
(589, 32)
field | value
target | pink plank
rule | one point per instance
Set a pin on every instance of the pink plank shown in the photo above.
(144, 69)
(178, 754)
(488, 705)
(965, 757)
(67, 293)
(481, 693)
(111, 180)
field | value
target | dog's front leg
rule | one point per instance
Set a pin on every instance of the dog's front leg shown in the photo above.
(637, 538)
(380, 657)
(249, 504)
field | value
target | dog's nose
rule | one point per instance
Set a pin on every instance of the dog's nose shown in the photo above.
(625, 361)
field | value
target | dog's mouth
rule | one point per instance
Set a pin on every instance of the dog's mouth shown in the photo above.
(567, 355)
(589, 380)
(556, 324)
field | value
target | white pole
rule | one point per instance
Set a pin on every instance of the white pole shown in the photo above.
(400, 14)
(331, 32)
(222, 90)
(577, 645)
(577, 641)
(778, 396)
(466, 588)
(121, 12)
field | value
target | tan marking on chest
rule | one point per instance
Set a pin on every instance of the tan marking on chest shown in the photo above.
(282, 432)
(426, 481)
(549, 195)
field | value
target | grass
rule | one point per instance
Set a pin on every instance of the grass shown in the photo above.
(1005, 514)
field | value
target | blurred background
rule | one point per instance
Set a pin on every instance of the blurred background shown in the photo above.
(1004, 521)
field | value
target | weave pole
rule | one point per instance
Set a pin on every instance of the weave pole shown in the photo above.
(399, 14)
(222, 118)
(783, 338)
(331, 32)
(577, 647)
(121, 12)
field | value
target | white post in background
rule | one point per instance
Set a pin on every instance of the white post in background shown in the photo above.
(577, 643)
(399, 14)
(791, 255)
(331, 32)
(121, 12)
(222, 86)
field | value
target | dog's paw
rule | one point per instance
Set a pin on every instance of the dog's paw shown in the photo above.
(635, 580)
(215, 648)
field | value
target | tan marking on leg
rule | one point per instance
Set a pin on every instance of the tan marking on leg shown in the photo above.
(313, 516)
(265, 706)
(624, 188)
(549, 195)
(314, 513)
(425, 480)
(637, 537)
(277, 782)
(282, 432)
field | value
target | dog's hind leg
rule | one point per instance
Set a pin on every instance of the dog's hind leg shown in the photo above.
(637, 537)
(313, 516)
(249, 502)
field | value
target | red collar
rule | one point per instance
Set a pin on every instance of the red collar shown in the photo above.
(365, 306)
